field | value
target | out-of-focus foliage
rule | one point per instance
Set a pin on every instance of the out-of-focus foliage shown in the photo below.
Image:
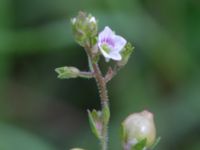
(41, 112)
(13, 138)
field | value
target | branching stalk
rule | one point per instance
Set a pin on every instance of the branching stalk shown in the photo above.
(101, 84)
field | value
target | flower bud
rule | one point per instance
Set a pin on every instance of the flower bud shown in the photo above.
(67, 72)
(95, 120)
(84, 28)
(138, 127)
(76, 149)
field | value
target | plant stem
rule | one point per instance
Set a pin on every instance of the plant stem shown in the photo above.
(102, 87)
(101, 83)
(104, 102)
(86, 74)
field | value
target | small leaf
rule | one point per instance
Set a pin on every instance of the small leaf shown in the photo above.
(67, 72)
(94, 121)
(140, 145)
(156, 143)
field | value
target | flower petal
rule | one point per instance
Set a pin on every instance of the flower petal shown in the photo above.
(107, 32)
(120, 42)
(115, 56)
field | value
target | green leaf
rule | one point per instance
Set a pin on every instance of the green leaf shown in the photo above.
(94, 120)
(67, 72)
(140, 145)
(156, 143)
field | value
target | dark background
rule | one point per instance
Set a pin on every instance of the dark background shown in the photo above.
(40, 112)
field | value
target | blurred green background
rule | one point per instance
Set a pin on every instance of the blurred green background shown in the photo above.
(40, 112)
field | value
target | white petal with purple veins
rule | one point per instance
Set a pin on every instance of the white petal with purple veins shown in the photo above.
(106, 33)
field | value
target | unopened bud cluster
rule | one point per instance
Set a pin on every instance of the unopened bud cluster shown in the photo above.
(85, 28)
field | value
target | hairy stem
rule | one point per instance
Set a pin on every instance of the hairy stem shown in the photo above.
(102, 87)
(101, 83)
(103, 94)
(104, 102)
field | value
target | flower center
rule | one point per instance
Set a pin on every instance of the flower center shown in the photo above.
(106, 48)
(108, 41)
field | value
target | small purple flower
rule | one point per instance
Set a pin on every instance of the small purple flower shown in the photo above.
(110, 44)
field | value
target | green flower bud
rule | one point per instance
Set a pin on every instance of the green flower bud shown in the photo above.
(139, 127)
(84, 27)
(67, 72)
(125, 53)
(95, 120)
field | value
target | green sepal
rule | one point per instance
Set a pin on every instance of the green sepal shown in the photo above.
(106, 114)
(94, 120)
(140, 145)
(155, 143)
(126, 53)
(123, 134)
(67, 72)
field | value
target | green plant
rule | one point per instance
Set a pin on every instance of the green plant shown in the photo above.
(113, 48)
